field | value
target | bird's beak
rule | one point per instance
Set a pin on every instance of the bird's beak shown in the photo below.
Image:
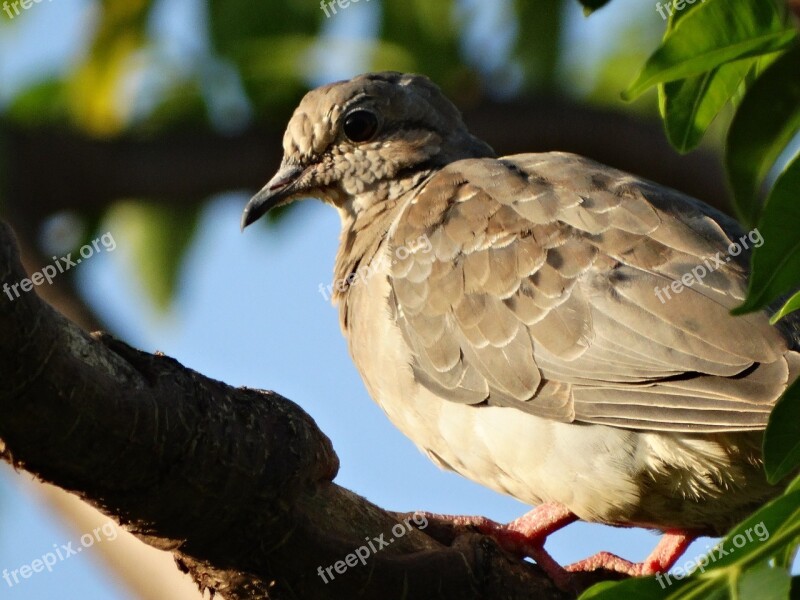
(279, 189)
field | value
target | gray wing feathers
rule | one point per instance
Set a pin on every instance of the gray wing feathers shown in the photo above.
(538, 293)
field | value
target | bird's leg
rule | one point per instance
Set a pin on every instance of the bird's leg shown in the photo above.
(666, 553)
(525, 536)
(531, 529)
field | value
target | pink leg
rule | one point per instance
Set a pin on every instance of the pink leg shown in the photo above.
(668, 550)
(525, 536)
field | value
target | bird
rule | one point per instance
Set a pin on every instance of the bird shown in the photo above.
(547, 326)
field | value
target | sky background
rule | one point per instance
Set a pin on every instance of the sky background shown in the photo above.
(249, 311)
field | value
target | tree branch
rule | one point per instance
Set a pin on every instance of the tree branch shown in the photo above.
(237, 483)
(74, 171)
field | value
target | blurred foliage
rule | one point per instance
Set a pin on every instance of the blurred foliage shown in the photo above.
(746, 55)
(44, 103)
(261, 61)
(539, 53)
(93, 90)
(270, 48)
(157, 230)
(429, 32)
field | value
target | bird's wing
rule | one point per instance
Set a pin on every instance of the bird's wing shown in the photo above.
(530, 282)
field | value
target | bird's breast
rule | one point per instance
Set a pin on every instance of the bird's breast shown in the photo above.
(533, 459)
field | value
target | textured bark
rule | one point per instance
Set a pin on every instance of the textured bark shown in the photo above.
(236, 482)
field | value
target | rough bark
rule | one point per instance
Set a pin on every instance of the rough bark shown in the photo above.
(237, 483)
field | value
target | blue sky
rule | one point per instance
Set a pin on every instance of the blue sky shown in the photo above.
(249, 312)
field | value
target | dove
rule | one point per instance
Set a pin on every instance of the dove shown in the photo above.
(547, 326)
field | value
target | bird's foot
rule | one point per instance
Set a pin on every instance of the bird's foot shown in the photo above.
(525, 536)
(666, 553)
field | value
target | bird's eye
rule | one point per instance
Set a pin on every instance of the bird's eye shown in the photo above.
(360, 126)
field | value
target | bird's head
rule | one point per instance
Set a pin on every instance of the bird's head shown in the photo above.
(372, 131)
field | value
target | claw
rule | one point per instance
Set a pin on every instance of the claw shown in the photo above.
(525, 537)
(666, 553)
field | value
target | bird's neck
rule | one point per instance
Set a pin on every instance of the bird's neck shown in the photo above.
(366, 222)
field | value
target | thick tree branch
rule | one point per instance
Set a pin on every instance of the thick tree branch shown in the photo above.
(237, 483)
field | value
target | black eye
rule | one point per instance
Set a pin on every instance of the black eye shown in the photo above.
(360, 125)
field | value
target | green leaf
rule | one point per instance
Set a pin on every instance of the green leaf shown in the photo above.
(156, 237)
(639, 588)
(714, 33)
(765, 583)
(782, 438)
(676, 15)
(690, 105)
(723, 573)
(771, 528)
(786, 557)
(776, 263)
(791, 305)
(767, 119)
(794, 486)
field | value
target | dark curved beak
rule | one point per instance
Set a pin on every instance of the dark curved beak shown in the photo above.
(279, 189)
